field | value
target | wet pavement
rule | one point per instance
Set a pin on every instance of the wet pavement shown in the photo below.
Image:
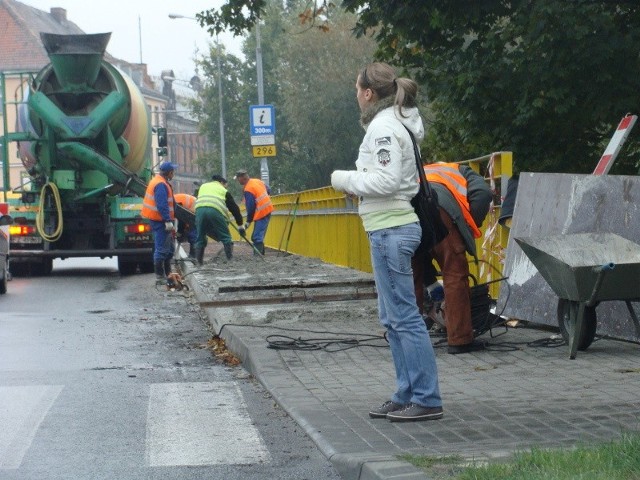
(308, 331)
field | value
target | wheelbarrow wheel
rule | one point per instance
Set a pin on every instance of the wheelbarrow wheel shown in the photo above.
(566, 322)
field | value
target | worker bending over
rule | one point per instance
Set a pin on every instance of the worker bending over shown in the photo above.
(464, 198)
(187, 231)
(213, 205)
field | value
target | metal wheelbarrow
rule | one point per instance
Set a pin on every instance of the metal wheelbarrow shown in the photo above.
(584, 269)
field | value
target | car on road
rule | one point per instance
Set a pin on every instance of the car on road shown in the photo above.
(5, 221)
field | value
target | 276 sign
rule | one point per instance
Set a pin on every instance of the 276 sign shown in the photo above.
(264, 150)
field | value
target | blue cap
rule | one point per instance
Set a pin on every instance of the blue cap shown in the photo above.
(167, 166)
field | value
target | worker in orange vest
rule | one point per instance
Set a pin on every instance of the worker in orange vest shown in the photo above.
(186, 230)
(158, 207)
(464, 198)
(258, 204)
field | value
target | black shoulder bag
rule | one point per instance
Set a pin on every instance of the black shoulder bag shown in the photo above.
(425, 204)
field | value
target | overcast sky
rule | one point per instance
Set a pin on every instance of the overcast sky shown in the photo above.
(166, 43)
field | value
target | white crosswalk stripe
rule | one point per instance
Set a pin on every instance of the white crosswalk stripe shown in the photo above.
(188, 424)
(204, 423)
(22, 409)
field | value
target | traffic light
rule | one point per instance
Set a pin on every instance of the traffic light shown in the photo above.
(162, 151)
(162, 137)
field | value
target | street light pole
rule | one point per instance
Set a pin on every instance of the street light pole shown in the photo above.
(223, 153)
(140, 36)
(264, 166)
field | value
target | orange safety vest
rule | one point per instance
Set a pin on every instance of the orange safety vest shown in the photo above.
(448, 174)
(149, 209)
(263, 201)
(186, 200)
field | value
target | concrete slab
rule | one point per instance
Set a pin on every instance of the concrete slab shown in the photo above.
(559, 204)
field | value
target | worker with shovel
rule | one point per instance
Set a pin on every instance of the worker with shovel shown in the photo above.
(259, 207)
(213, 205)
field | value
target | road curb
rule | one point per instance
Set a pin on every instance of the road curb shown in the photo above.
(350, 466)
(372, 466)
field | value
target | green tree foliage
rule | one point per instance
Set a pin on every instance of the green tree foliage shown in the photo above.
(546, 79)
(317, 85)
(239, 16)
(207, 108)
(309, 76)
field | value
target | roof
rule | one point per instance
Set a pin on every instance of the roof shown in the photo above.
(21, 48)
(20, 27)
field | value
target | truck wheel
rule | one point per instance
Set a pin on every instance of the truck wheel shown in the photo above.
(19, 269)
(146, 267)
(126, 266)
(47, 266)
(44, 268)
(4, 277)
(567, 324)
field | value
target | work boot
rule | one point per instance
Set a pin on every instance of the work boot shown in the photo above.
(228, 250)
(260, 247)
(192, 251)
(158, 268)
(199, 255)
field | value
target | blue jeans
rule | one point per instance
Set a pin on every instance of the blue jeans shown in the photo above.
(411, 349)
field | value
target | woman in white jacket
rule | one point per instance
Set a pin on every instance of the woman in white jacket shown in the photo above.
(385, 181)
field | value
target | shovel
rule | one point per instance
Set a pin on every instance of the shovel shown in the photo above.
(247, 240)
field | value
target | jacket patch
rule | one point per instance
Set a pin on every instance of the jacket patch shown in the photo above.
(383, 141)
(384, 157)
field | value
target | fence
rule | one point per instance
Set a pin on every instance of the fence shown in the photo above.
(324, 223)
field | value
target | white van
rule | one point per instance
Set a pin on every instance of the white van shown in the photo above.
(5, 221)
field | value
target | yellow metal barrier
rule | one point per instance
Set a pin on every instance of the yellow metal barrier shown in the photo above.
(323, 223)
(496, 168)
(319, 223)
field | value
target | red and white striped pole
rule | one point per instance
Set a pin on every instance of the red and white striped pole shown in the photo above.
(611, 152)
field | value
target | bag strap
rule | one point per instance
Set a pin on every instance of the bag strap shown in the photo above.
(423, 178)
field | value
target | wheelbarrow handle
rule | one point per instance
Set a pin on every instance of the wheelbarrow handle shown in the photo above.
(600, 270)
(605, 267)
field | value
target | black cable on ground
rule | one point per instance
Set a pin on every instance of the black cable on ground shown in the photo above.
(439, 340)
(283, 342)
(549, 342)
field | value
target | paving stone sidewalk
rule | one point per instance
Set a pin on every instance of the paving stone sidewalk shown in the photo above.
(523, 391)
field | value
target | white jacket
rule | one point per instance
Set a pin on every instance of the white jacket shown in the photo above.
(386, 176)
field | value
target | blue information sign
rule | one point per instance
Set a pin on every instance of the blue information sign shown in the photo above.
(262, 119)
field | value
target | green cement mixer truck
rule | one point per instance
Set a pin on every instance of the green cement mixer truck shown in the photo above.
(83, 135)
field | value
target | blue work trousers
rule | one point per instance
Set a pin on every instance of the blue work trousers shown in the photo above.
(411, 349)
(163, 242)
(260, 229)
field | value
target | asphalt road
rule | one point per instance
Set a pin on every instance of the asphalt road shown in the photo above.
(107, 377)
